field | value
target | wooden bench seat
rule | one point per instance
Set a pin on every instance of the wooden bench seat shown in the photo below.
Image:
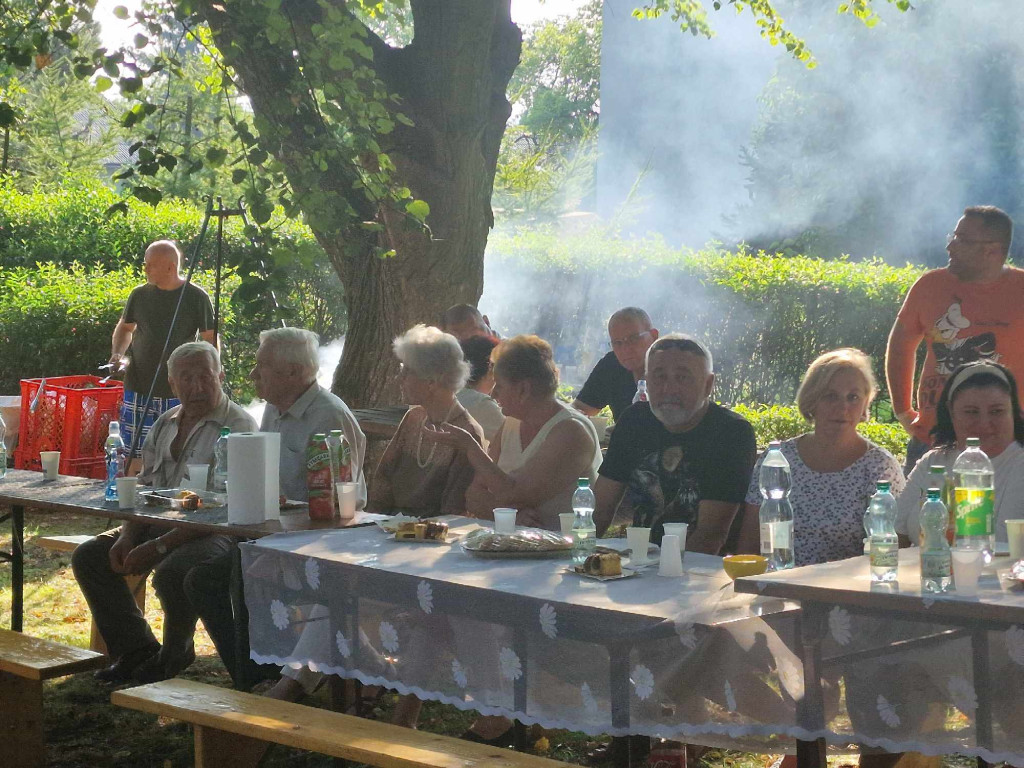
(227, 722)
(136, 582)
(25, 662)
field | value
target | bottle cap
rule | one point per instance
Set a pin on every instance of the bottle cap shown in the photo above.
(774, 445)
(936, 469)
(883, 486)
(973, 442)
(583, 482)
(934, 493)
(337, 433)
(224, 431)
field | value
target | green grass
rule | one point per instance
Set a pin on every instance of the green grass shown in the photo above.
(83, 730)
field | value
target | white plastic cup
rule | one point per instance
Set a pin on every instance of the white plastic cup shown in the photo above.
(670, 564)
(565, 521)
(1015, 536)
(347, 494)
(50, 461)
(638, 539)
(967, 564)
(676, 529)
(126, 492)
(504, 520)
(198, 475)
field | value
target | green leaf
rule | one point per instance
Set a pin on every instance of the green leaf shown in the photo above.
(238, 175)
(418, 209)
(130, 84)
(120, 12)
(7, 115)
(121, 208)
(149, 195)
(103, 83)
(141, 41)
(215, 156)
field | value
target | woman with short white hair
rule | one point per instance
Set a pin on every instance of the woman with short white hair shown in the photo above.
(416, 475)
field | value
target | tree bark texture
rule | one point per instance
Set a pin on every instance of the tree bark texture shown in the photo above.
(451, 81)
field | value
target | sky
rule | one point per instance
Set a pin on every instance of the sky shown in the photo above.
(117, 32)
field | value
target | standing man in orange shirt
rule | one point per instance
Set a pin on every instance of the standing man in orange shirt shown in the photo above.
(972, 309)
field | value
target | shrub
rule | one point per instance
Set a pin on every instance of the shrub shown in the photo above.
(56, 322)
(764, 317)
(780, 422)
(69, 225)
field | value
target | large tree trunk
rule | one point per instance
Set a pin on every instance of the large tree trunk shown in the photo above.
(451, 80)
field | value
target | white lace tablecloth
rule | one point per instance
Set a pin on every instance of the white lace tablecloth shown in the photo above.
(904, 670)
(523, 638)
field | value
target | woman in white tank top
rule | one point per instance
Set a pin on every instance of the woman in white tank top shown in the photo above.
(540, 451)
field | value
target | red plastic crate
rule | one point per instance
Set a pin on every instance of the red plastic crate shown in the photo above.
(72, 417)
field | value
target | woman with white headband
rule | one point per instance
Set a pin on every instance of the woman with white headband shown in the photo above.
(979, 400)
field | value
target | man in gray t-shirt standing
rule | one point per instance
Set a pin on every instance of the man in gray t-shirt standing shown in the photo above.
(139, 336)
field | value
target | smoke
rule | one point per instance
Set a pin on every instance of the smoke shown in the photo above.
(876, 151)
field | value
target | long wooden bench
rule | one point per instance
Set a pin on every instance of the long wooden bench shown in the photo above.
(136, 582)
(25, 662)
(228, 723)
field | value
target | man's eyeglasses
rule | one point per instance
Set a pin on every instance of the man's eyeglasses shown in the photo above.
(629, 341)
(965, 240)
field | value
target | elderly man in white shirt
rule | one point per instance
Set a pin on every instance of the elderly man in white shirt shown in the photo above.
(183, 435)
(287, 363)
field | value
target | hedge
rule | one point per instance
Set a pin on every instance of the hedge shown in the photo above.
(764, 317)
(70, 225)
(57, 322)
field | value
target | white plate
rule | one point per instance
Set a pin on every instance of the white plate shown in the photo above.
(626, 573)
(497, 554)
(390, 525)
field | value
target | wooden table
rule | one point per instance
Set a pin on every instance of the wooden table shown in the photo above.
(845, 586)
(78, 495)
(380, 423)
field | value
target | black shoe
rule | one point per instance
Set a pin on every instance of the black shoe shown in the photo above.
(121, 670)
(157, 668)
(505, 739)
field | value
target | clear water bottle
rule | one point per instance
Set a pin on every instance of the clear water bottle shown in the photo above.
(939, 478)
(641, 391)
(220, 461)
(117, 456)
(880, 524)
(584, 532)
(936, 561)
(975, 499)
(775, 518)
(3, 448)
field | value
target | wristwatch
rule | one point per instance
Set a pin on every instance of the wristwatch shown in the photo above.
(160, 547)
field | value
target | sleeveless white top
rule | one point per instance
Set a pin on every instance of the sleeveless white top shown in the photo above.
(513, 458)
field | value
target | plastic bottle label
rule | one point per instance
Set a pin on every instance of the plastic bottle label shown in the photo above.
(975, 511)
(936, 565)
(884, 558)
(776, 536)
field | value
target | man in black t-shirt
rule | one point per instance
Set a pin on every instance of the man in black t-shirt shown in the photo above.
(140, 334)
(679, 457)
(613, 380)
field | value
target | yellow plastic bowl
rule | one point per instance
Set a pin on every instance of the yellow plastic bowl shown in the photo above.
(744, 565)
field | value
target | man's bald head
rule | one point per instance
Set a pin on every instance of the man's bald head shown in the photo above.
(162, 263)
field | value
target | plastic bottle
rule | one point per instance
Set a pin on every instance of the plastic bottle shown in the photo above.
(341, 469)
(775, 518)
(3, 448)
(220, 461)
(318, 479)
(116, 460)
(880, 524)
(584, 532)
(939, 478)
(936, 561)
(975, 499)
(641, 391)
